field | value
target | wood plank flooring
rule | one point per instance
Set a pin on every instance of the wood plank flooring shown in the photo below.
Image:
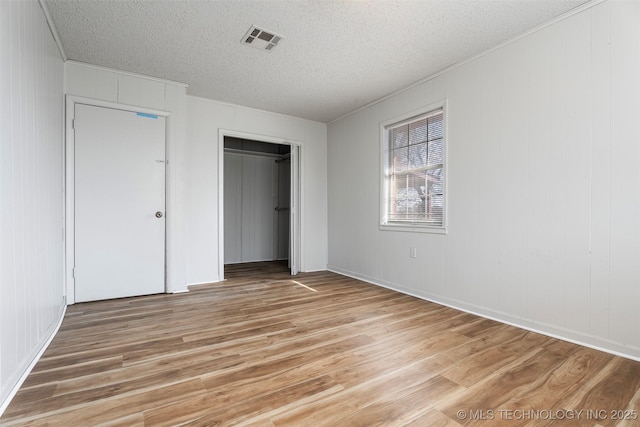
(317, 349)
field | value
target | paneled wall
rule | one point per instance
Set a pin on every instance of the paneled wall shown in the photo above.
(205, 119)
(130, 89)
(543, 184)
(250, 192)
(31, 185)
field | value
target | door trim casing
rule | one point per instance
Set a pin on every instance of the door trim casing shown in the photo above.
(69, 186)
(296, 185)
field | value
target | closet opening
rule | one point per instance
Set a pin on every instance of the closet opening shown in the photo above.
(257, 202)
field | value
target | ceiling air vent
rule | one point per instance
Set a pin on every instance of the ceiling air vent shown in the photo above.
(261, 39)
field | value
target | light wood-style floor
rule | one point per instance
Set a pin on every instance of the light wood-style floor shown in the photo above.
(318, 349)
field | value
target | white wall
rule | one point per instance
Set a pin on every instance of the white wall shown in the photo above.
(232, 208)
(250, 196)
(543, 184)
(31, 185)
(283, 202)
(141, 91)
(192, 211)
(204, 119)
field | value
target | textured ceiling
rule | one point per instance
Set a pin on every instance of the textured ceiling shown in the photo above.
(337, 55)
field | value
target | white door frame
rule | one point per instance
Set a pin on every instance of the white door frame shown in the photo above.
(69, 190)
(295, 218)
(295, 237)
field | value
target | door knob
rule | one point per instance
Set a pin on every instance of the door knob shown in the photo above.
(158, 214)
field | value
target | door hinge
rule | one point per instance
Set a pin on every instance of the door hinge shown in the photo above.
(73, 272)
(73, 124)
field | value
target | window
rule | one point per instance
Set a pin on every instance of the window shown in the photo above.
(413, 171)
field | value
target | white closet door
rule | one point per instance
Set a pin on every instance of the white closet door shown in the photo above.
(119, 203)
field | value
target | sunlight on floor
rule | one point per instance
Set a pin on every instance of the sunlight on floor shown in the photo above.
(304, 286)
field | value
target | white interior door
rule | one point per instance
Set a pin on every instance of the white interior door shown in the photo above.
(119, 178)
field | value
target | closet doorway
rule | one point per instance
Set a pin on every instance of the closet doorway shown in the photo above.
(259, 223)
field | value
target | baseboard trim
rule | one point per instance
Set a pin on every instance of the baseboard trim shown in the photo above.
(210, 282)
(35, 360)
(537, 327)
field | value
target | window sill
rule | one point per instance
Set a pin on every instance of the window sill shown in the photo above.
(413, 228)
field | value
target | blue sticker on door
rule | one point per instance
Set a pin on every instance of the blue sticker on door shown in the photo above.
(147, 115)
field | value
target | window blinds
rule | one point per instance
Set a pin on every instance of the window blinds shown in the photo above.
(415, 170)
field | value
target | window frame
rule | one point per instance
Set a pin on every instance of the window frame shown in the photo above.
(411, 226)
